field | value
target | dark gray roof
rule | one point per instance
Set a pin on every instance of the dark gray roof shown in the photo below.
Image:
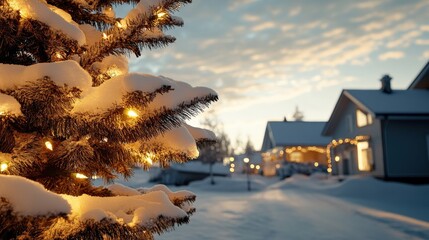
(298, 133)
(399, 102)
(422, 80)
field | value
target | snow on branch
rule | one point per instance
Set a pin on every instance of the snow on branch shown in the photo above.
(64, 73)
(50, 15)
(9, 105)
(153, 211)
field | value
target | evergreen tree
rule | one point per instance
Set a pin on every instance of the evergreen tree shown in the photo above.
(70, 110)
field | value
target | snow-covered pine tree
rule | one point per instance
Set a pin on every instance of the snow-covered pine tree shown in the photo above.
(70, 110)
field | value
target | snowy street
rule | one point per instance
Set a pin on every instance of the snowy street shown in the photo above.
(291, 213)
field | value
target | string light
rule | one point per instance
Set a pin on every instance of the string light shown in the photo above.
(49, 146)
(316, 164)
(58, 55)
(258, 167)
(252, 166)
(3, 167)
(81, 176)
(161, 14)
(232, 165)
(113, 71)
(148, 158)
(132, 114)
(246, 160)
(231, 170)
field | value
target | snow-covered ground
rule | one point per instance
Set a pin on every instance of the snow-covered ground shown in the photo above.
(317, 207)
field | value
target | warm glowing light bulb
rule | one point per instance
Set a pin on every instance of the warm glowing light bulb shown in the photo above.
(232, 165)
(3, 167)
(161, 14)
(252, 166)
(81, 176)
(258, 167)
(246, 160)
(49, 146)
(329, 170)
(231, 159)
(131, 113)
(316, 164)
(231, 170)
(337, 158)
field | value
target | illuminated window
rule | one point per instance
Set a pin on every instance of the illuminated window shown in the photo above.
(296, 157)
(363, 119)
(364, 153)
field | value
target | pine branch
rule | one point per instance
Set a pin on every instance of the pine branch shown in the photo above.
(132, 39)
(26, 41)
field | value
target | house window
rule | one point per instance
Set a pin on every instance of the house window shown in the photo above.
(364, 154)
(363, 119)
(296, 157)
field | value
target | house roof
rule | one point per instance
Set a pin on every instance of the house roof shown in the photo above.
(399, 102)
(280, 134)
(422, 80)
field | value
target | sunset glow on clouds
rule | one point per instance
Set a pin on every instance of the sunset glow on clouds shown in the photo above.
(265, 57)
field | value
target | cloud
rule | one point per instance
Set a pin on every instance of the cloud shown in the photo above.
(391, 55)
(251, 18)
(422, 41)
(294, 11)
(404, 40)
(368, 4)
(334, 32)
(263, 26)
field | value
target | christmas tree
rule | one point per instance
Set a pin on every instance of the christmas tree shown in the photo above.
(70, 111)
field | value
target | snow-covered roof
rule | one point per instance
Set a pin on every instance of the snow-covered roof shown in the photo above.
(279, 134)
(422, 79)
(414, 102)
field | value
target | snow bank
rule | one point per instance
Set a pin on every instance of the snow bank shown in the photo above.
(236, 184)
(50, 15)
(131, 210)
(62, 73)
(9, 105)
(31, 198)
(199, 167)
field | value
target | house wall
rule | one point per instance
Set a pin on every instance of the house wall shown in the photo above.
(347, 128)
(407, 148)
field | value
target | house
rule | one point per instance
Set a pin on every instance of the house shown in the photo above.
(383, 133)
(293, 142)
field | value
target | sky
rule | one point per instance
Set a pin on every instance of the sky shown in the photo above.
(266, 57)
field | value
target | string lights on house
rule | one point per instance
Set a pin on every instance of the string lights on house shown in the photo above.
(338, 142)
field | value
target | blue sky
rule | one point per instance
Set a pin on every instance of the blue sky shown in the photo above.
(265, 57)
